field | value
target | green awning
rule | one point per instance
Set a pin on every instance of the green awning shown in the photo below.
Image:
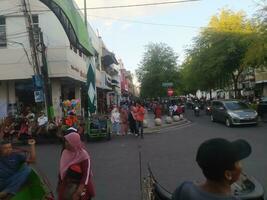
(73, 24)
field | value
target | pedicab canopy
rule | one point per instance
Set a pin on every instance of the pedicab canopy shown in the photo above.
(73, 24)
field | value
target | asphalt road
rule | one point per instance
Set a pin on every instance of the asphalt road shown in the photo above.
(171, 154)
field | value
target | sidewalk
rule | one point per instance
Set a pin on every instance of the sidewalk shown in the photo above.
(152, 128)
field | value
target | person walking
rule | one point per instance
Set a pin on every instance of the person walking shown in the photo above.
(132, 120)
(124, 121)
(115, 120)
(140, 116)
(75, 172)
(158, 110)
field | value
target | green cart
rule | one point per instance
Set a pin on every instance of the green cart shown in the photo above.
(35, 189)
(98, 127)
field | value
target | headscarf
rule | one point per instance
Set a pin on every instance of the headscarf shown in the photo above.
(77, 155)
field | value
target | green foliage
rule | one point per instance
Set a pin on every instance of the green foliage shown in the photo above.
(257, 53)
(159, 64)
(218, 53)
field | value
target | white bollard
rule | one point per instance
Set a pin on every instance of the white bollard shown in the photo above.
(168, 120)
(176, 118)
(145, 124)
(158, 122)
(181, 117)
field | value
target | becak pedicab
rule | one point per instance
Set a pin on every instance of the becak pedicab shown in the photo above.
(219, 160)
(247, 188)
(20, 180)
(98, 127)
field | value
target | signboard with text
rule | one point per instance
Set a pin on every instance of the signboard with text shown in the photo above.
(38, 96)
(167, 84)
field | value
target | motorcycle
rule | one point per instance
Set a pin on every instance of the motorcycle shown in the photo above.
(208, 110)
(196, 111)
(246, 188)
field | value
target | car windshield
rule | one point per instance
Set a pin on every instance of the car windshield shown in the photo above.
(236, 105)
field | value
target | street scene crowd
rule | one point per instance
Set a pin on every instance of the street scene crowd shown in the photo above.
(84, 117)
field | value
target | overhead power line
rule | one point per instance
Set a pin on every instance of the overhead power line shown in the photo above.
(128, 5)
(140, 5)
(146, 23)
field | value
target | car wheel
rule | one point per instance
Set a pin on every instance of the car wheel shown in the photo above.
(212, 118)
(228, 122)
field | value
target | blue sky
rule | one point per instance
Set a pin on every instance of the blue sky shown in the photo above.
(127, 40)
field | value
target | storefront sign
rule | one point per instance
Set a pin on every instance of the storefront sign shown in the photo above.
(76, 69)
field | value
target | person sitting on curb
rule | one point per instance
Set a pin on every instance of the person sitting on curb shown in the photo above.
(13, 169)
(219, 160)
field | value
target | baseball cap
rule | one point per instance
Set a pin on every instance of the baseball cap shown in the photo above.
(219, 153)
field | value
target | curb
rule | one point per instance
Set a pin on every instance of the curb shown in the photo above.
(157, 129)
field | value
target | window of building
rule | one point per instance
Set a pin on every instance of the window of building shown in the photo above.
(3, 41)
(35, 21)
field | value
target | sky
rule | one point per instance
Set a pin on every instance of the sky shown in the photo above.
(128, 40)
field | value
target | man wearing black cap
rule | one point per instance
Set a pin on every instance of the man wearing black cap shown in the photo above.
(219, 160)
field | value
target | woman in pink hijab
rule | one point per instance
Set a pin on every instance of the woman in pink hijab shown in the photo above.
(75, 174)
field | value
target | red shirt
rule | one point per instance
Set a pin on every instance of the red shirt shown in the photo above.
(140, 114)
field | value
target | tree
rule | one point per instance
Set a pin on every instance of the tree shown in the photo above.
(257, 53)
(158, 65)
(218, 54)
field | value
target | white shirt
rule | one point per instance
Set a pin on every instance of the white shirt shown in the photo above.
(42, 120)
(115, 117)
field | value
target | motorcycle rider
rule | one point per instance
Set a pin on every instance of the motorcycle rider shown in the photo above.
(196, 108)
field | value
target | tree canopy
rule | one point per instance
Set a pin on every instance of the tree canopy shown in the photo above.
(158, 65)
(217, 56)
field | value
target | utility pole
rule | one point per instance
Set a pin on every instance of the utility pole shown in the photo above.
(41, 73)
(29, 25)
(46, 79)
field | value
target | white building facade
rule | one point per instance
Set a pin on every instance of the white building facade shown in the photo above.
(67, 65)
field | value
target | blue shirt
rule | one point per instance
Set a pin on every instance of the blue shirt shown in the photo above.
(190, 191)
(9, 165)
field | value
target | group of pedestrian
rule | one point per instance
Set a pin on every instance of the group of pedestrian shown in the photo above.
(75, 171)
(128, 120)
